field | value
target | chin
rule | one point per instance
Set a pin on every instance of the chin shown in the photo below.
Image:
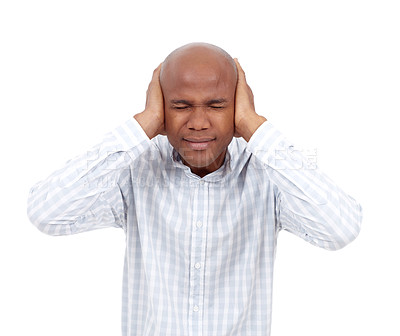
(197, 163)
(203, 160)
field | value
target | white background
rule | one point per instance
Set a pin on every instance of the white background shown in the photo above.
(326, 73)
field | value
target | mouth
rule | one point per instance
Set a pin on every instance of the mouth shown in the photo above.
(199, 144)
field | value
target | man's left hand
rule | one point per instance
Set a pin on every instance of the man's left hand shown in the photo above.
(246, 119)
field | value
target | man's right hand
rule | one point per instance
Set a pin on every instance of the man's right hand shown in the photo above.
(152, 118)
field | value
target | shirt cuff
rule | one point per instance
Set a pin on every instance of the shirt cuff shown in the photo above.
(130, 134)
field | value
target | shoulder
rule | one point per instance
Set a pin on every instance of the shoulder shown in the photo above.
(160, 143)
(242, 156)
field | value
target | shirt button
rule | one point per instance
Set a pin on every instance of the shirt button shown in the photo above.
(201, 182)
(197, 265)
(196, 308)
(199, 224)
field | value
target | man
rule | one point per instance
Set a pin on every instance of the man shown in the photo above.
(202, 207)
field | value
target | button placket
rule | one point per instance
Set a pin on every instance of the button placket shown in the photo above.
(197, 259)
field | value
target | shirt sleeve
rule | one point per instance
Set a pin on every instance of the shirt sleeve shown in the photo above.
(309, 204)
(92, 190)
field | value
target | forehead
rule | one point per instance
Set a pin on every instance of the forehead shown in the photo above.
(193, 75)
(195, 81)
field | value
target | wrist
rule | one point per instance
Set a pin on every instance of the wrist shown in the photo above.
(148, 122)
(249, 125)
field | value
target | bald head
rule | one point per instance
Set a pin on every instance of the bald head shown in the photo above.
(201, 59)
(198, 83)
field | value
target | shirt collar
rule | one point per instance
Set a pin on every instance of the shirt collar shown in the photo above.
(215, 176)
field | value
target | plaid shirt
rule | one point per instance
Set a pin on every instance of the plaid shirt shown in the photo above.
(199, 251)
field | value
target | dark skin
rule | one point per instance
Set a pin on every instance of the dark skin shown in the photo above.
(198, 86)
(200, 101)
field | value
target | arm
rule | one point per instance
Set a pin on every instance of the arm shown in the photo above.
(309, 204)
(93, 190)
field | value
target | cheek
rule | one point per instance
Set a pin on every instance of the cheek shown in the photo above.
(171, 121)
(227, 122)
(173, 125)
(225, 130)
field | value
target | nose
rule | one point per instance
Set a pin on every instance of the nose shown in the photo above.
(198, 119)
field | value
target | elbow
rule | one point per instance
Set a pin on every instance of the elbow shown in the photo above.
(337, 241)
(35, 212)
(48, 226)
(345, 230)
(40, 222)
(40, 216)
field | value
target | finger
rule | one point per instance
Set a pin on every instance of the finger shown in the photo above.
(156, 72)
(155, 80)
(241, 74)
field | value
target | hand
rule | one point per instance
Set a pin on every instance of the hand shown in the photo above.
(152, 118)
(246, 119)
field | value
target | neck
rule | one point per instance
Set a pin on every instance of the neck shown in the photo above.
(205, 170)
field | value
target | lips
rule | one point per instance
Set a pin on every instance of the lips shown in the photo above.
(199, 143)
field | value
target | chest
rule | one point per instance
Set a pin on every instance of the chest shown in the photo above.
(182, 212)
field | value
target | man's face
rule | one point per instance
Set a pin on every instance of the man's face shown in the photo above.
(199, 103)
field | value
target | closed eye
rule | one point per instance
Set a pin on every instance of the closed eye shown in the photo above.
(180, 107)
(188, 107)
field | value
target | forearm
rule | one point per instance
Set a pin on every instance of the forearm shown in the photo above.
(73, 198)
(311, 204)
(247, 127)
(148, 123)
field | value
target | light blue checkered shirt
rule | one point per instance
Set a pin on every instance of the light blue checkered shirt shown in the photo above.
(199, 251)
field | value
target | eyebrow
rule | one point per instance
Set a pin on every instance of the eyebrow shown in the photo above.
(209, 102)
